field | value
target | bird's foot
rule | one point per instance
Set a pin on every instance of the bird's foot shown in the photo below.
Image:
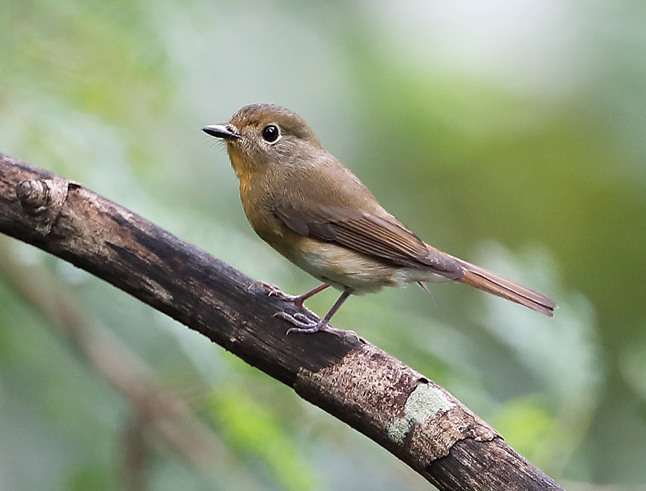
(307, 325)
(274, 291)
(271, 289)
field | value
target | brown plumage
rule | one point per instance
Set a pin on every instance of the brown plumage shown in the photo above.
(315, 211)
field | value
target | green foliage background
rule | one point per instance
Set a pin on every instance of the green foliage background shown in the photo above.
(507, 133)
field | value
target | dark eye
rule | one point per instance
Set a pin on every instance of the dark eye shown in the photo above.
(270, 133)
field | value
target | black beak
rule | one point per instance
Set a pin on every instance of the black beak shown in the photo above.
(222, 131)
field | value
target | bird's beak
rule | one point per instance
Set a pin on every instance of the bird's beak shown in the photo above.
(225, 131)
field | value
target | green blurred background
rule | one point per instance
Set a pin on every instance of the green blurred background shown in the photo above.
(507, 133)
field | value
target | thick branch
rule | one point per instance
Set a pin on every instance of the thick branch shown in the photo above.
(408, 414)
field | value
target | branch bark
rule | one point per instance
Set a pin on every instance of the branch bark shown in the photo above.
(405, 412)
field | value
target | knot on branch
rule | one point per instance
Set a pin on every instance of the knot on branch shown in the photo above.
(42, 200)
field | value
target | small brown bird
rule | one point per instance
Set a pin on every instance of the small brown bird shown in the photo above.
(309, 207)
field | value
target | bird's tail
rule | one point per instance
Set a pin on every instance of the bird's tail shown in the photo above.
(491, 283)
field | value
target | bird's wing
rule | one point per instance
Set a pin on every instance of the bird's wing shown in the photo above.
(380, 236)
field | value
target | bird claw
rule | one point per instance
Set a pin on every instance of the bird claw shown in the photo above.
(306, 325)
(271, 289)
(302, 322)
(274, 291)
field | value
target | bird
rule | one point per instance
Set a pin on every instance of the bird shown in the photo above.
(314, 211)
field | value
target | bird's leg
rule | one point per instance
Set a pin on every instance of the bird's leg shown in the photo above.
(295, 299)
(299, 299)
(306, 325)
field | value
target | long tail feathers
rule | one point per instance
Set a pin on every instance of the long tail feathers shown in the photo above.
(484, 280)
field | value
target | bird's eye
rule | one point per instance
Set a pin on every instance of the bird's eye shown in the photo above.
(270, 133)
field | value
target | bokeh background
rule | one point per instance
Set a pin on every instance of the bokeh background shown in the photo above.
(511, 134)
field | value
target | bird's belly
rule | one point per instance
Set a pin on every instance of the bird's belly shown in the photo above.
(342, 267)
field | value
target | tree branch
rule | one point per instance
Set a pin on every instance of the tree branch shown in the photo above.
(406, 413)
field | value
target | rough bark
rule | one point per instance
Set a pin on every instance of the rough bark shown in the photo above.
(405, 412)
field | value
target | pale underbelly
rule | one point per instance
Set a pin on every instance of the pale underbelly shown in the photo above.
(344, 268)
